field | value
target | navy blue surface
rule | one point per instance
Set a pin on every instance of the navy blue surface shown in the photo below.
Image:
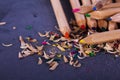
(39, 14)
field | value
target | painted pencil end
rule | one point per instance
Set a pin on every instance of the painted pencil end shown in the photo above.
(94, 8)
(82, 41)
(75, 10)
(108, 19)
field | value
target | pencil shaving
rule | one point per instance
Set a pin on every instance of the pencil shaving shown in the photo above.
(7, 45)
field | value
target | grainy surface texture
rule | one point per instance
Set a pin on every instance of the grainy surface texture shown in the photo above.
(39, 14)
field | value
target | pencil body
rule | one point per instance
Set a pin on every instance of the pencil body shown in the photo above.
(112, 26)
(104, 13)
(98, 38)
(60, 16)
(115, 18)
(80, 19)
(112, 5)
(90, 22)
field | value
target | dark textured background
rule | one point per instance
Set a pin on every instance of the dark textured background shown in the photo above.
(39, 14)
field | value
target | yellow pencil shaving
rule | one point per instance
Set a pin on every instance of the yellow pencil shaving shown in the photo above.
(61, 48)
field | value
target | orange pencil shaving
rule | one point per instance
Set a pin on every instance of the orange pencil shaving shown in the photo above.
(80, 19)
(60, 16)
(103, 14)
(92, 24)
(98, 38)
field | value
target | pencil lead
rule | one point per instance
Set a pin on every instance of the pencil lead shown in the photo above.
(82, 27)
(94, 8)
(93, 28)
(67, 35)
(82, 42)
(108, 19)
(103, 29)
(75, 10)
(87, 15)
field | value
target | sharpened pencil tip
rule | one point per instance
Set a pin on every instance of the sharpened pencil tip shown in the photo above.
(94, 8)
(82, 42)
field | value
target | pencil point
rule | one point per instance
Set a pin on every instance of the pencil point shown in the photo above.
(67, 35)
(82, 41)
(93, 28)
(75, 10)
(108, 19)
(94, 8)
(82, 27)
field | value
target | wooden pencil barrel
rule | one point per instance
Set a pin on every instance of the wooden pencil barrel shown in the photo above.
(60, 16)
(98, 38)
(80, 19)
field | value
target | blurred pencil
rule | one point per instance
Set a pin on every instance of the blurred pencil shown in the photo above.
(88, 8)
(114, 18)
(80, 19)
(60, 16)
(102, 24)
(98, 38)
(112, 5)
(103, 14)
(92, 24)
(117, 0)
(100, 3)
(85, 9)
(112, 25)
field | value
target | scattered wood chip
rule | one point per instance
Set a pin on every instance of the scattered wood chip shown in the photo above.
(54, 66)
(65, 59)
(7, 45)
(2, 23)
(40, 60)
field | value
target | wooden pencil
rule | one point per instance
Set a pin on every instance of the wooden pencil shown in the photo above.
(92, 24)
(102, 24)
(88, 8)
(112, 25)
(60, 16)
(103, 14)
(85, 9)
(99, 4)
(117, 0)
(115, 18)
(102, 37)
(111, 5)
(80, 18)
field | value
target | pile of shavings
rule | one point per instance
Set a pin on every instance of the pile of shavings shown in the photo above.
(71, 46)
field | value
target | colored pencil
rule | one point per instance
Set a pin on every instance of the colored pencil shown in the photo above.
(102, 37)
(103, 14)
(80, 19)
(60, 16)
